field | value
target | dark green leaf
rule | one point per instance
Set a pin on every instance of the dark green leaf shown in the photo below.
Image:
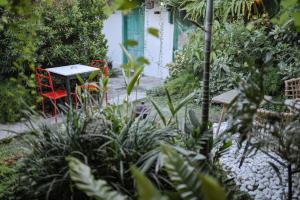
(80, 79)
(146, 189)
(84, 180)
(170, 103)
(131, 43)
(143, 61)
(93, 75)
(153, 31)
(161, 115)
(211, 189)
(134, 79)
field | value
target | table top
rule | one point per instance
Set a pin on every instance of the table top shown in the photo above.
(71, 70)
(226, 97)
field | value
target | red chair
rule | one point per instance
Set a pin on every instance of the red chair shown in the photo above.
(102, 65)
(46, 88)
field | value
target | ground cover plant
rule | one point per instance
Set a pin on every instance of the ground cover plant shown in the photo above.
(11, 150)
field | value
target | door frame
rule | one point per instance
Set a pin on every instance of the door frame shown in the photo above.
(124, 33)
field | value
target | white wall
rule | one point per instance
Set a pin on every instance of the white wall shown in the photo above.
(157, 50)
(113, 32)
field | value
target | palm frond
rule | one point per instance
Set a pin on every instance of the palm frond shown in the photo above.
(182, 174)
(189, 183)
(146, 189)
(84, 180)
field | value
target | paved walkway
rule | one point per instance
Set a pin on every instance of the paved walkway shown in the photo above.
(116, 95)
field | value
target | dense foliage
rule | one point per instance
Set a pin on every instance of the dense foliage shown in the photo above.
(254, 57)
(48, 34)
(44, 173)
(234, 46)
(277, 135)
(14, 99)
(70, 32)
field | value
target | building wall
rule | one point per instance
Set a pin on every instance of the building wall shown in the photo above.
(113, 30)
(159, 51)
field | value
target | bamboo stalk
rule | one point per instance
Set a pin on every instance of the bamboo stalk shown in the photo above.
(207, 52)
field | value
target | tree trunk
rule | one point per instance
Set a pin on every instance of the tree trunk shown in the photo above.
(207, 52)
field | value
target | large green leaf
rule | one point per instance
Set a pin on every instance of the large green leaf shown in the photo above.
(3, 2)
(146, 189)
(189, 183)
(134, 79)
(182, 174)
(153, 31)
(84, 180)
(93, 75)
(131, 62)
(161, 115)
(184, 102)
(211, 189)
(194, 120)
(131, 43)
(170, 103)
(80, 79)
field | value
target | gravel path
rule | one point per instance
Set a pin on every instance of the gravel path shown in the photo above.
(256, 176)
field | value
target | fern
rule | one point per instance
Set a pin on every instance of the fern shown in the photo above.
(190, 184)
(84, 180)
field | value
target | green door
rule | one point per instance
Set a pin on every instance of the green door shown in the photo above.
(134, 30)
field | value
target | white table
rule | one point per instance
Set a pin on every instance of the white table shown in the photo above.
(70, 72)
(226, 99)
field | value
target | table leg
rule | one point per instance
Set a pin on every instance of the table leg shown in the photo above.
(69, 91)
(224, 110)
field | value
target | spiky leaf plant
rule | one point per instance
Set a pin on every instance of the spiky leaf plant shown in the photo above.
(110, 152)
(189, 183)
(226, 9)
(173, 109)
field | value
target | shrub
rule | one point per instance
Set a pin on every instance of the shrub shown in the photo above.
(13, 99)
(70, 32)
(44, 173)
(236, 48)
(183, 85)
(50, 33)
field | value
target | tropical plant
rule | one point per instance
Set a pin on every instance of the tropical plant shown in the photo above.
(227, 10)
(289, 10)
(235, 45)
(188, 182)
(31, 34)
(107, 145)
(172, 108)
(272, 136)
(207, 63)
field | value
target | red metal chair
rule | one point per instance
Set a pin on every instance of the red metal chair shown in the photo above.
(101, 64)
(46, 89)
